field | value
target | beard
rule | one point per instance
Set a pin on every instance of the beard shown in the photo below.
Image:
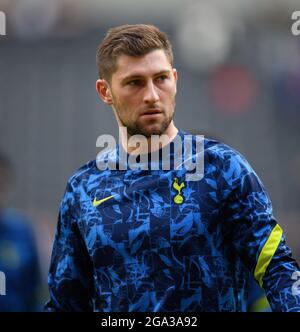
(153, 127)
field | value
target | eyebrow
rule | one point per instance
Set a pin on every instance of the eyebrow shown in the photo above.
(133, 76)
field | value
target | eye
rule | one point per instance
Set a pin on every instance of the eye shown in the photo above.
(134, 82)
(162, 78)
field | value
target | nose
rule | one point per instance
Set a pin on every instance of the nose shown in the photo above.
(151, 95)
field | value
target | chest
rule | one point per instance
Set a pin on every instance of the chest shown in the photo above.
(142, 211)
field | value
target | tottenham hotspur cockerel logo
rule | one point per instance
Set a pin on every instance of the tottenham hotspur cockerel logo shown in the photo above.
(178, 199)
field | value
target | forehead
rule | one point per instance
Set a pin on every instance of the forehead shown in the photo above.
(149, 64)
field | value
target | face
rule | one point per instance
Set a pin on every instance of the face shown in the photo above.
(142, 93)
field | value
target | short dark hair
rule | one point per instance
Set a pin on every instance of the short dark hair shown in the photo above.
(132, 40)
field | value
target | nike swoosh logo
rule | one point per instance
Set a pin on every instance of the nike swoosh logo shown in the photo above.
(96, 203)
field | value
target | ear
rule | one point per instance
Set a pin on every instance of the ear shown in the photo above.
(103, 90)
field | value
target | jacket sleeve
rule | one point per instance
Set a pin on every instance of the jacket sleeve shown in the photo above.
(257, 237)
(70, 277)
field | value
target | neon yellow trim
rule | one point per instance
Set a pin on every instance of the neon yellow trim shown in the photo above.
(267, 253)
(260, 305)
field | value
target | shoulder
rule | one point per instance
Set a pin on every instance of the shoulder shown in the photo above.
(224, 156)
(81, 177)
(231, 168)
(218, 152)
(84, 172)
(223, 161)
(85, 176)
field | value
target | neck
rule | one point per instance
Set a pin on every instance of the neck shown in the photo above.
(148, 145)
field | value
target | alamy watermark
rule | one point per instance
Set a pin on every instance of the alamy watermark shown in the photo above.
(2, 283)
(296, 25)
(188, 153)
(296, 285)
(2, 24)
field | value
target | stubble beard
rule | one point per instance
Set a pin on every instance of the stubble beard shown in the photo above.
(155, 128)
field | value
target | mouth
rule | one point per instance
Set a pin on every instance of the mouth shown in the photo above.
(152, 112)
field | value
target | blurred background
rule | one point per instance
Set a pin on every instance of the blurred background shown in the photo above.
(239, 81)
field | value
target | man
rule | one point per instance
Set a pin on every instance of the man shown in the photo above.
(18, 253)
(148, 240)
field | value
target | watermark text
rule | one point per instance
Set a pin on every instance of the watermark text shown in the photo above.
(296, 25)
(2, 283)
(296, 285)
(152, 153)
(2, 24)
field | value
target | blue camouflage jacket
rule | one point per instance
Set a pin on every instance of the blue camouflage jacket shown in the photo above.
(148, 240)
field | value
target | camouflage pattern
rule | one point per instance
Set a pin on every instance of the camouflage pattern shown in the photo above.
(143, 250)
